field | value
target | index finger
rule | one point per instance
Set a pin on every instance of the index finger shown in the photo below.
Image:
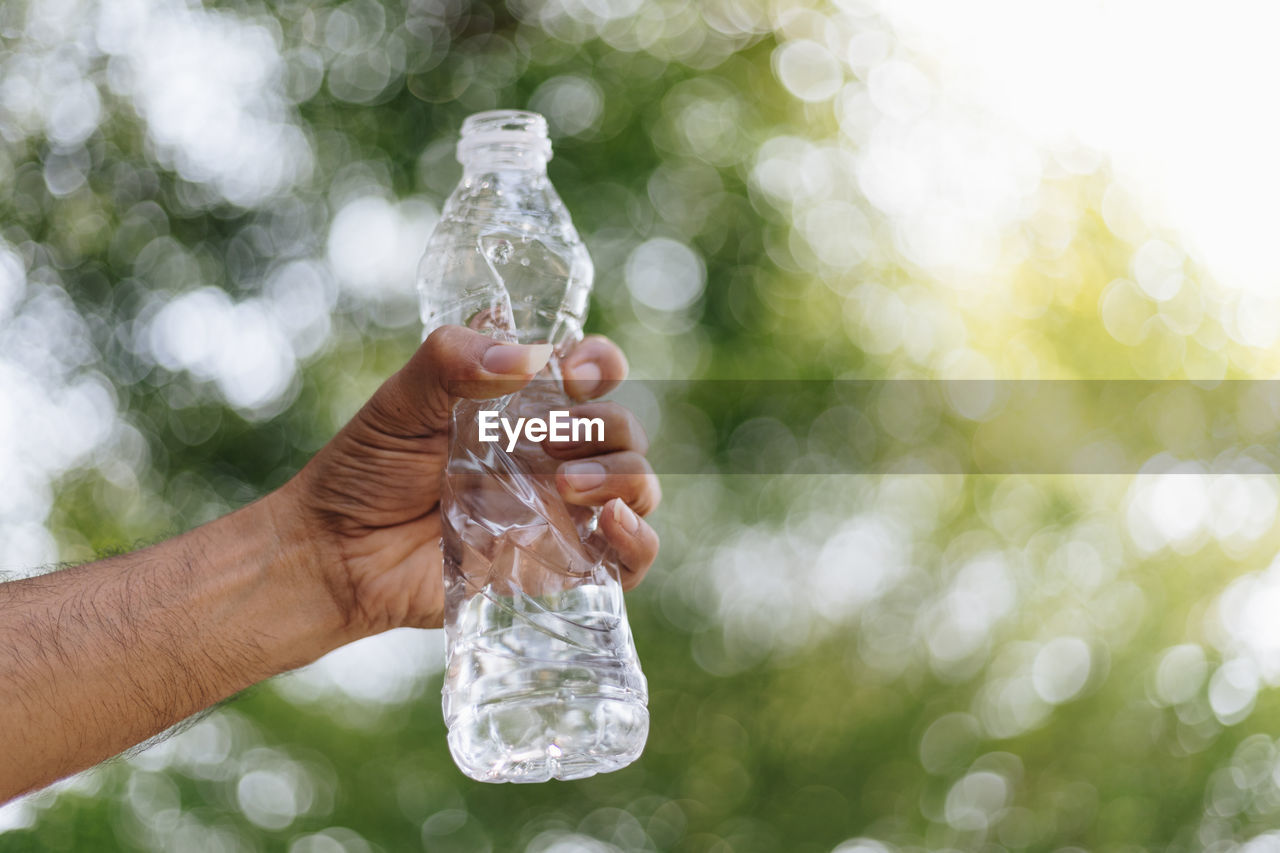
(593, 368)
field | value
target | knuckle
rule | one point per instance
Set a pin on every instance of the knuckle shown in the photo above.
(638, 439)
(606, 409)
(632, 463)
(647, 501)
(640, 484)
(654, 543)
(623, 367)
(441, 344)
(603, 351)
(438, 340)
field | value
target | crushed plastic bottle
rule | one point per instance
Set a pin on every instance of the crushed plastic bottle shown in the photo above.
(542, 679)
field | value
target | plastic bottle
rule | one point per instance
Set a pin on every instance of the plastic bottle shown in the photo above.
(542, 679)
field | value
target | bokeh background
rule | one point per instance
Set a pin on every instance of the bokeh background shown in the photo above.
(210, 217)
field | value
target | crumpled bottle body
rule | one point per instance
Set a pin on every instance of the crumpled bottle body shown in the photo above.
(542, 679)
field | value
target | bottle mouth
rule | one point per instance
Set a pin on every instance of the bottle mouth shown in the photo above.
(511, 137)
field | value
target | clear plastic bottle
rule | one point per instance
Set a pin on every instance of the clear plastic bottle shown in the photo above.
(542, 679)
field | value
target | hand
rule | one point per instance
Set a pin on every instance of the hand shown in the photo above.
(127, 646)
(368, 503)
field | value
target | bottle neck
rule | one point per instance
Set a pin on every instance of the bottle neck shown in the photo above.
(496, 186)
(509, 163)
(504, 141)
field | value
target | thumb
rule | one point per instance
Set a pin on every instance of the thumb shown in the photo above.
(452, 362)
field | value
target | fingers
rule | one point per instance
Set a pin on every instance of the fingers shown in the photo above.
(626, 475)
(452, 362)
(593, 368)
(611, 471)
(634, 540)
(621, 431)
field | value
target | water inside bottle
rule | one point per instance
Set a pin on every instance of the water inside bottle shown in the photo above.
(544, 686)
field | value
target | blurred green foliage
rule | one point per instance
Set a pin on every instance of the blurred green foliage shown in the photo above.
(910, 660)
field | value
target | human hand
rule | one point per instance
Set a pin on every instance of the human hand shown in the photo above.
(366, 508)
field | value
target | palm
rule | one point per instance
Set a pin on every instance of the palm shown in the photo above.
(396, 573)
(378, 494)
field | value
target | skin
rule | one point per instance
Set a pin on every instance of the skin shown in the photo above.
(97, 658)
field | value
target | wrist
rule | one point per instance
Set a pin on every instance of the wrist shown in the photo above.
(293, 602)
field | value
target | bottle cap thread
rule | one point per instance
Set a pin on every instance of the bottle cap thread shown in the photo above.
(514, 138)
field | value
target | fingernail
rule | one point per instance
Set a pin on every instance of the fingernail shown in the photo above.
(586, 378)
(584, 476)
(513, 359)
(627, 519)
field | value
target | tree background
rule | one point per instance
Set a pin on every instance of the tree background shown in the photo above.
(210, 217)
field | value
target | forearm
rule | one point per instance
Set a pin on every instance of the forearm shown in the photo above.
(99, 657)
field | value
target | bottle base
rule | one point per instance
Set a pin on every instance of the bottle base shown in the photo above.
(541, 738)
